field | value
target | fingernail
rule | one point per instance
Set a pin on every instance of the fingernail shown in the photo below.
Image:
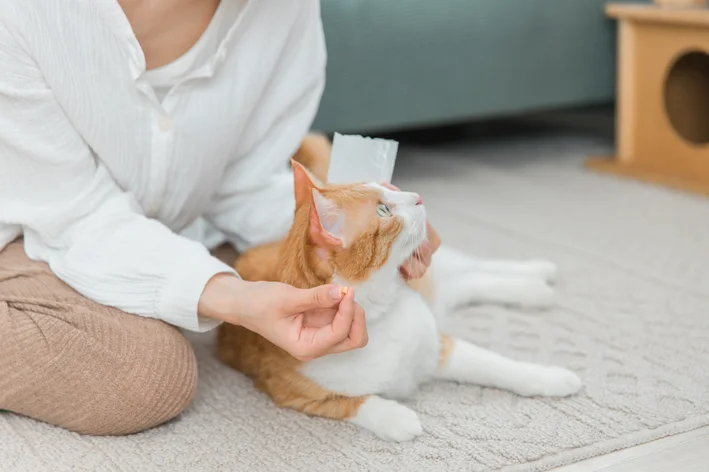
(336, 293)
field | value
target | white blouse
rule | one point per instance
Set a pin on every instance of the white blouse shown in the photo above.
(99, 174)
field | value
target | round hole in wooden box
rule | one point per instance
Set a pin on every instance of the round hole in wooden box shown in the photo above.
(687, 96)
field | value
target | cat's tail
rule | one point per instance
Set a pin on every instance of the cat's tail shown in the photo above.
(314, 154)
(456, 279)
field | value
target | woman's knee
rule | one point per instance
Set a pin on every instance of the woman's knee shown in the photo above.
(80, 369)
(155, 387)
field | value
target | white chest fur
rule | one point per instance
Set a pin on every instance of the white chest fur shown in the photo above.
(402, 352)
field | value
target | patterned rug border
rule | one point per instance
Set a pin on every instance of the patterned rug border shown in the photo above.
(637, 438)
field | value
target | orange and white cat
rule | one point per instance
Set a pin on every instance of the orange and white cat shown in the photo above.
(358, 235)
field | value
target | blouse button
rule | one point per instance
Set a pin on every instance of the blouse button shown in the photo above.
(165, 124)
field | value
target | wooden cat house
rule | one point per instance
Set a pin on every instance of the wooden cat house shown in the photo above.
(663, 95)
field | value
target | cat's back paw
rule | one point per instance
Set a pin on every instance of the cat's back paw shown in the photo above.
(388, 419)
(549, 382)
(543, 270)
(531, 294)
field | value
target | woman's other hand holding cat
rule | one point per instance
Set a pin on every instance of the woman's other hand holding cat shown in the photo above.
(418, 263)
(307, 323)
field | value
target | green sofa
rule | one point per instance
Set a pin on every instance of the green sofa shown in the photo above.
(396, 64)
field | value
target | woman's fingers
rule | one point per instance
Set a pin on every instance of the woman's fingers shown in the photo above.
(358, 336)
(420, 261)
(320, 341)
(348, 330)
(342, 324)
(358, 333)
(324, 296)
(413, 269)
(424, 254)
(434, 240)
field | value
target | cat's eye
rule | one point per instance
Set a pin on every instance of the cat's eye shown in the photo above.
(383, 211)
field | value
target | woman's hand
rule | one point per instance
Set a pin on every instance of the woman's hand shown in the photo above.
(305, 323)
(415, 267)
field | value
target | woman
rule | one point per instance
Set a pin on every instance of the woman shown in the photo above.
(121, 123)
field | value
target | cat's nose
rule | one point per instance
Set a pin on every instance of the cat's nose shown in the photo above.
(419, 201)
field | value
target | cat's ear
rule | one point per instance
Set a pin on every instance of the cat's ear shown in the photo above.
(325, 221)
(324, 215)
(304, 183)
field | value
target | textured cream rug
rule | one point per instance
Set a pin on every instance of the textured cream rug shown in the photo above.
(632, 320)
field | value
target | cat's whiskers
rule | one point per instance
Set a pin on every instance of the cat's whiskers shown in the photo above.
(411, 236)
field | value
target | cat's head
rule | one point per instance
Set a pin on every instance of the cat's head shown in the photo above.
(360, 228)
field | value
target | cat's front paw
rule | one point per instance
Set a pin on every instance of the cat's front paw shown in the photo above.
(548, 382)
(388, 419)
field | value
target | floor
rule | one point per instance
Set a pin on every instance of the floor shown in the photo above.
(686, 452)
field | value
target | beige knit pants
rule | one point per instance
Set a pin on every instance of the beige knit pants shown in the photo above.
(74, 363)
